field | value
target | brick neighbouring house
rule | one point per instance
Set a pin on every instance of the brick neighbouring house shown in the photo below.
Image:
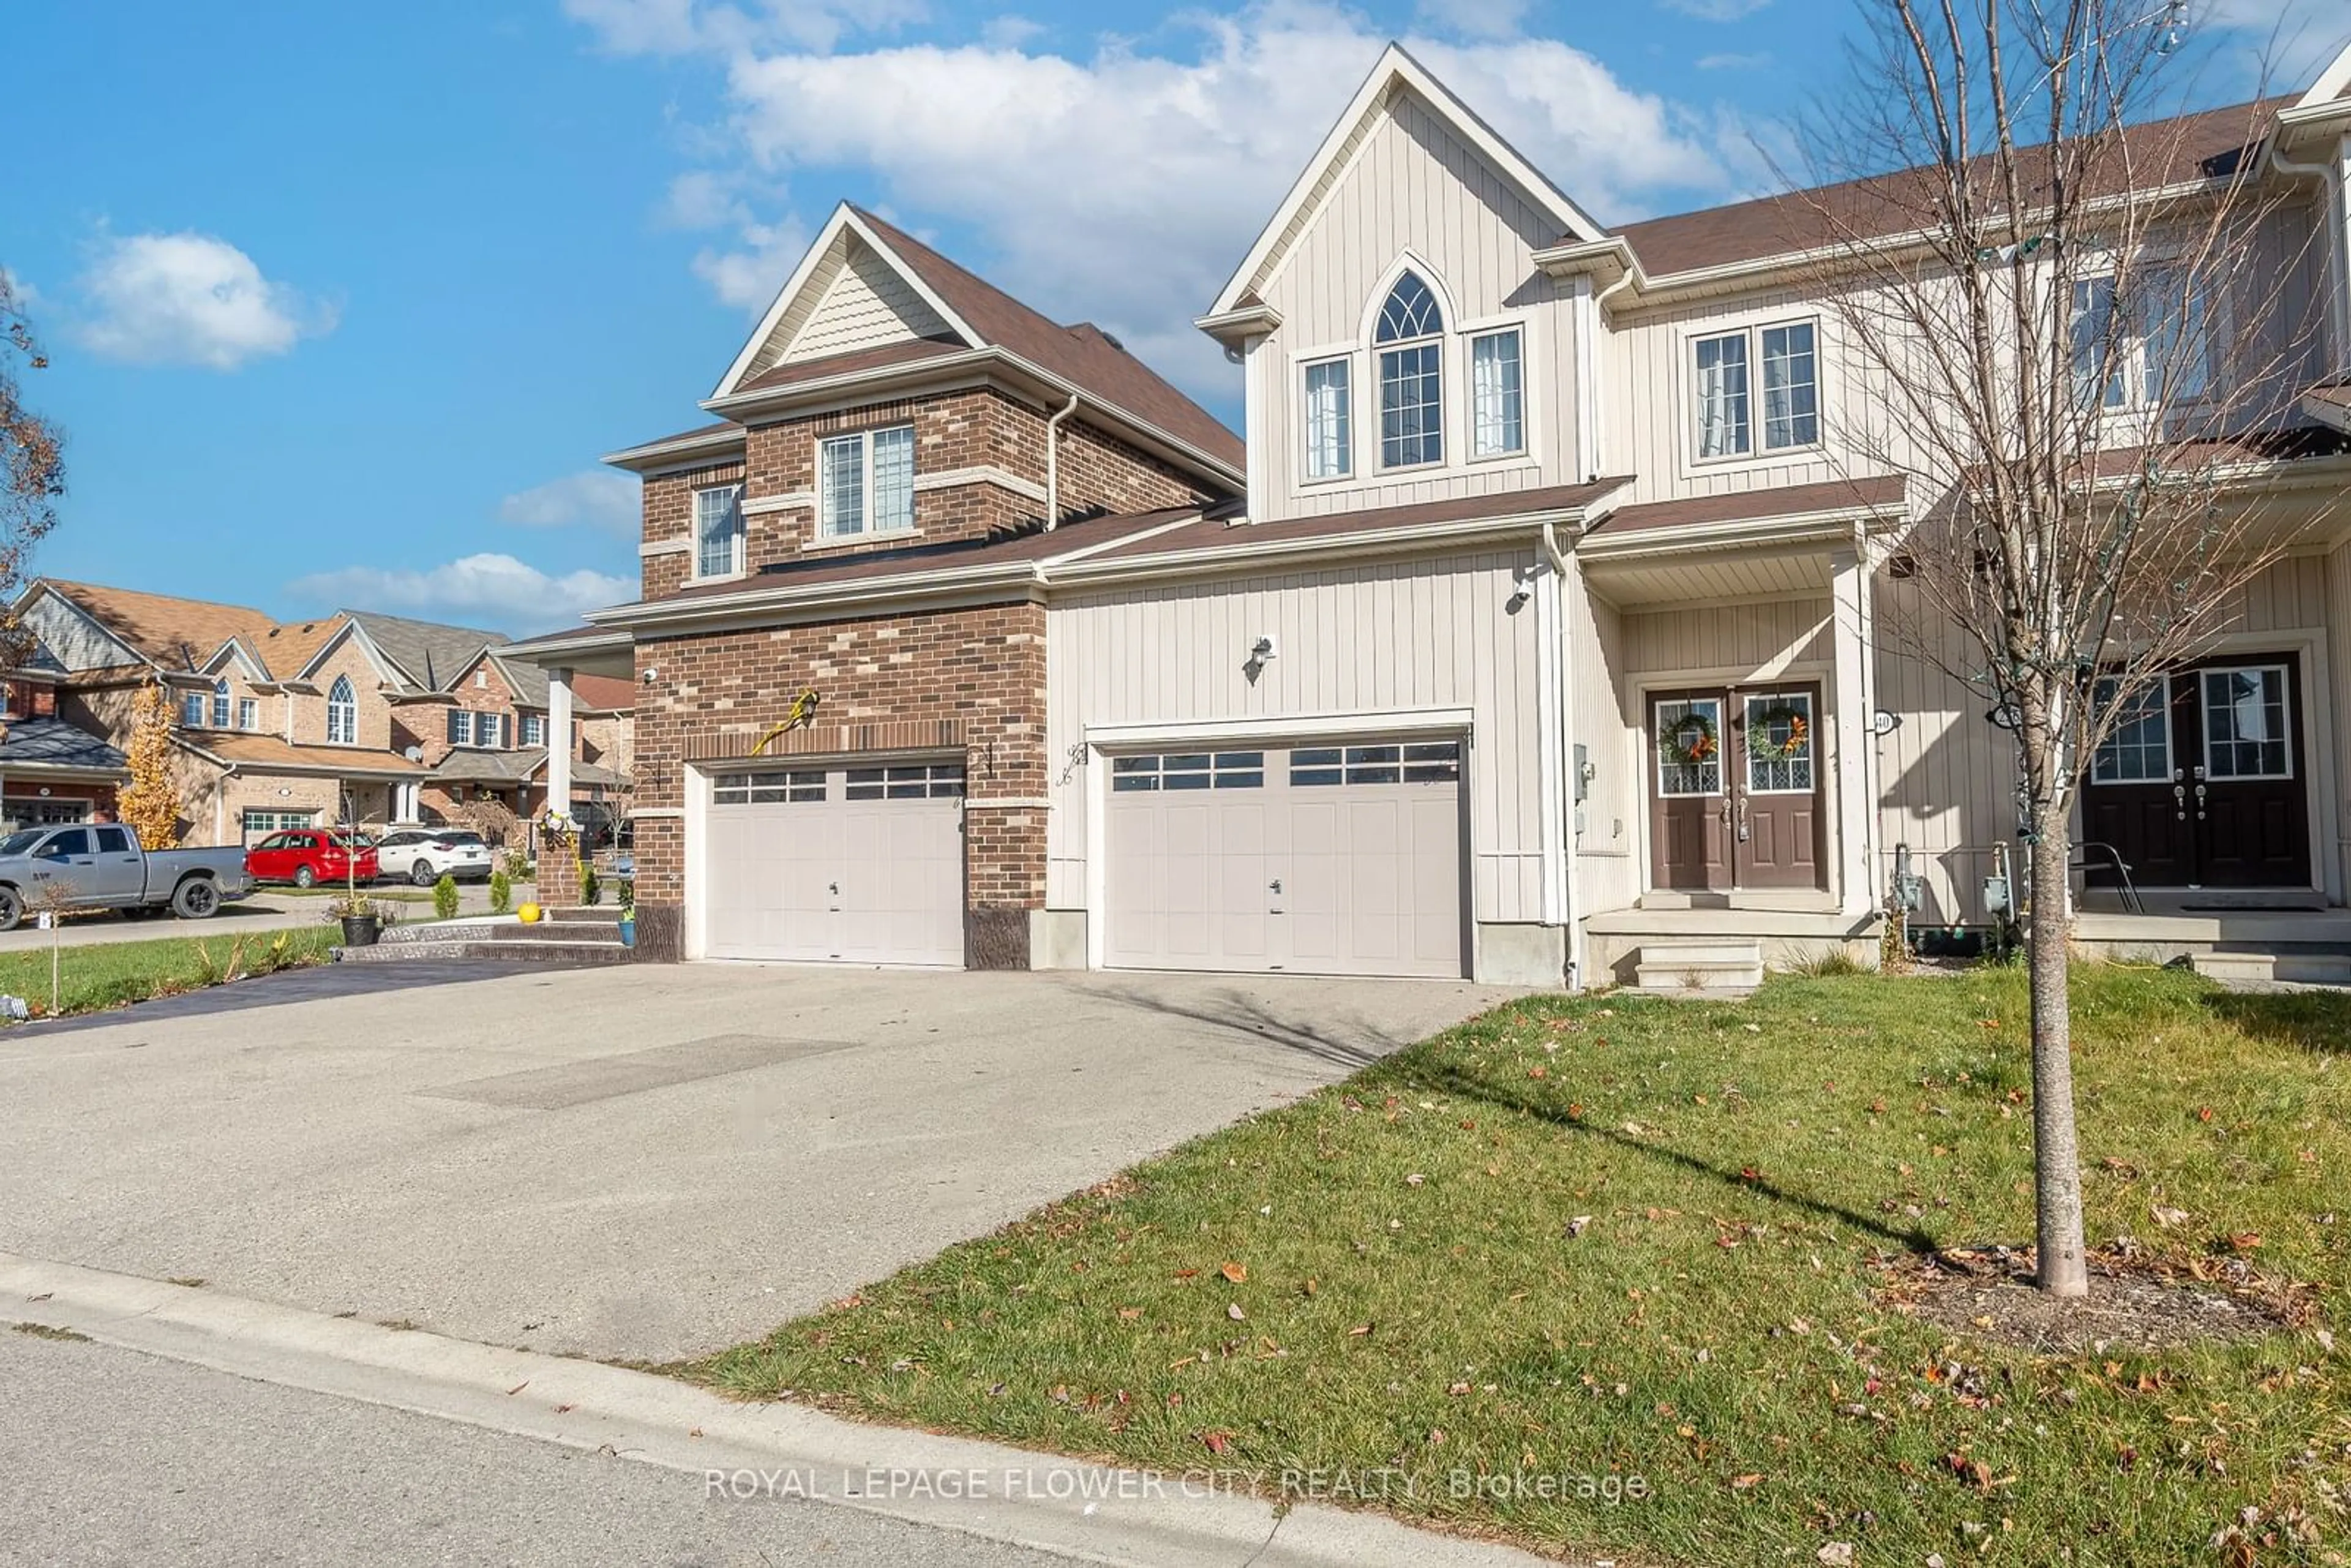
(897, 433)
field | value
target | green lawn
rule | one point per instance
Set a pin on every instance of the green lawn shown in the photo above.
(109, 974)
(1418, 1296)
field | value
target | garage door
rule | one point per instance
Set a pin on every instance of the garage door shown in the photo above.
(1329, 860)
(859, 865)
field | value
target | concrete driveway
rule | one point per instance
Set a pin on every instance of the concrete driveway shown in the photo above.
(640, 1163)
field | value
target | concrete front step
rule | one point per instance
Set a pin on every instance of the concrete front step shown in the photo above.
(2310, 968)
(441, 931)
(1707, 968)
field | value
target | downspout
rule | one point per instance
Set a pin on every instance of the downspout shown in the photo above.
(1562, 743)
(1053, 465)
(2338, 266)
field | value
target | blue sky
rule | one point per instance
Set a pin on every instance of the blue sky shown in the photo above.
(344, 302)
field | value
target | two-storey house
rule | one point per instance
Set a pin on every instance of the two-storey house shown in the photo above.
(1542, 634)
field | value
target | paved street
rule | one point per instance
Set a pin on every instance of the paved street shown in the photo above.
(640, 1162)
(270, 909)
(112, 1456)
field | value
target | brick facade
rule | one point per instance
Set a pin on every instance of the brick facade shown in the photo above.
(974, 435)
(970, 680)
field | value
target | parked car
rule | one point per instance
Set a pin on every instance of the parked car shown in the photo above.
(308, 857)
(103, 865)
(423, 854)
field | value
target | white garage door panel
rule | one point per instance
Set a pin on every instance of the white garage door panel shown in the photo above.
(794, 868)
(1335, 860)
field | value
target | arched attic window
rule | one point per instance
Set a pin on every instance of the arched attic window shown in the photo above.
(342, 714)
(1410, 339)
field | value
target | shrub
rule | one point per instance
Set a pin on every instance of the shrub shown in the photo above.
(501, 893)
(445, 897)
(591, 889)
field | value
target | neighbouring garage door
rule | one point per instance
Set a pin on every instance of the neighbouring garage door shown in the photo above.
(860, 865)
(1333, 859)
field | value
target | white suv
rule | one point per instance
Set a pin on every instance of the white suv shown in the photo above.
(423, 855)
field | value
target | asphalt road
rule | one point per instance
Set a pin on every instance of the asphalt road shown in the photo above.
(112, 1456)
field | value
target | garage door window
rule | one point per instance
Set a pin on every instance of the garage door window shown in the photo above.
(1419, 762)
(916, 781)
(767, 788)
(1188, 770)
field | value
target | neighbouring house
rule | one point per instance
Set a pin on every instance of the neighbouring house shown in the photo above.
(493, 740)
(348, 716)
(51, 770)
(1526, 641)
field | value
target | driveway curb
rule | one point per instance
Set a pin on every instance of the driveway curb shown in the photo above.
(757, 1451)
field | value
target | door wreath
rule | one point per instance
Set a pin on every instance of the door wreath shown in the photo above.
(1760, 742)
(1693, 741)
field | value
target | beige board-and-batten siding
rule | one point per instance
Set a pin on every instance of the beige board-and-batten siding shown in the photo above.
(1948, 776)
(1411, 187)
(1387, 638)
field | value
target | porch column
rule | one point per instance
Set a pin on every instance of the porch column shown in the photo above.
(1856, 748)
(558, 741)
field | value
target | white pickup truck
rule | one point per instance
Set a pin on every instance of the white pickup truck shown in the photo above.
(101, 865)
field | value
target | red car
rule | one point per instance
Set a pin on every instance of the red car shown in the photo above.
(308, 857)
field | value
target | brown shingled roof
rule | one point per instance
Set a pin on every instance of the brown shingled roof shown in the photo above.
(1084, 355)
(176, 634)
(2161, 153)
(269, 751)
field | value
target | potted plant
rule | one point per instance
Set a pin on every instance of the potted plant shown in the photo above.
(363, 919)
(628, 898)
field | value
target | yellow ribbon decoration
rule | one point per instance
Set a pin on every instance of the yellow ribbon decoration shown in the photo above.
(801, 712)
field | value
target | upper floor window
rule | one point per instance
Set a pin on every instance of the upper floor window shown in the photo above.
(191, 711)
(342, 714)
(1788, 355)
(248, 714)
(1410, 339)
(220, 705)
(534, 730)
(2158, 352)
(1329, 421)
(486, 730)
(865, 483)
(719, 531)
(1498, 425)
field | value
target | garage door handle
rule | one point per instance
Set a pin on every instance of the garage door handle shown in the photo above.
(1275, 885)
(834, 888)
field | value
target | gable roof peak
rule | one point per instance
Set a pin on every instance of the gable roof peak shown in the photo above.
(1396, 71)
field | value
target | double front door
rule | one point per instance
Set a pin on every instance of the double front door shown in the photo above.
(2202, 781)
(1735, 789)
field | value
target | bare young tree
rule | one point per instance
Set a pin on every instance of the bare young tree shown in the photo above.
(2068, 306)
(32, 459)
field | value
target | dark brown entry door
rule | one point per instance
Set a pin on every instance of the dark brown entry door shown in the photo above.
(1735, 789)
(2203, 783)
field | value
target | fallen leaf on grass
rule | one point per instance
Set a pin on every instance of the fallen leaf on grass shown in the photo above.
(1359, 1331)
(1217, 1442)
(1233, 1310)
(1237, 1273)
(1130, 1313)
(2168, 1216)
(1415, 1179)
(1746, 1482)
(1579, 1224)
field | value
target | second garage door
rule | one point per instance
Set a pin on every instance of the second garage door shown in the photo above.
(1333, 859)
(857, 865)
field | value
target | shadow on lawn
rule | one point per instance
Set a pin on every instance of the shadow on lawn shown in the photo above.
(1470, 1086)
(2313, 1020)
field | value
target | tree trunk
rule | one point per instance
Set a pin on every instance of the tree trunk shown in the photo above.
(2057, 1164)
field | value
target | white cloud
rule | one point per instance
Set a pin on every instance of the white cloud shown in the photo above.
(1122, 187)
(190, 298)
(486, 590)
(595, 499)
(1717, 10)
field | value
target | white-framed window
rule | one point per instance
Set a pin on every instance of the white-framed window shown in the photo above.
(534, 730)
(1498, 399)
(1410, 339)
(1722, 386)
(1688, 739)
(2157, 351)
(191, 711)
(2248, 723)
(719, 531)
(220, 704)
(1330, 419)
(865, 483)
(2137, 750)
(248, 714)
(342, 714)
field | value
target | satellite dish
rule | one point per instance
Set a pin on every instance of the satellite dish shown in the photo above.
(414, 753)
